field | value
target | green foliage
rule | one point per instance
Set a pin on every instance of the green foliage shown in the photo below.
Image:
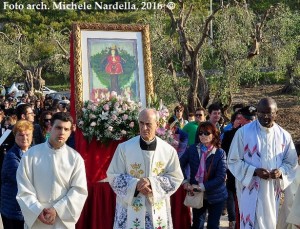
(260, 7)
(42, 50)
(262, 78)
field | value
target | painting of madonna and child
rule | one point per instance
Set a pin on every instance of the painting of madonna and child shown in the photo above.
(115, 65)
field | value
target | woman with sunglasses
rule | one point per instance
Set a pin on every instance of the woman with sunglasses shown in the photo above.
(45, 123)
(207, 163)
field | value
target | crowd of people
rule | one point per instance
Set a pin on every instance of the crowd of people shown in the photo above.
(43, 181)
(243, 166)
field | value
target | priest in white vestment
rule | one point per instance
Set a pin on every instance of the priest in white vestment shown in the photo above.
(263, 159)
(144, 173)
(51, 178)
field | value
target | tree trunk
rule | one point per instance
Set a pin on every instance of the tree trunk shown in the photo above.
(33, 80)
(203, 90)
(33, 77)
(293, 83)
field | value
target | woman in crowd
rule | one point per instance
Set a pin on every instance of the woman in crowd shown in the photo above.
(178, 115)
(207, 163)
(9, 121)
(45, 123)
(10, 210)
(38, 109)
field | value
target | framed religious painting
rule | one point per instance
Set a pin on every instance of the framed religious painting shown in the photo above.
(111, 57)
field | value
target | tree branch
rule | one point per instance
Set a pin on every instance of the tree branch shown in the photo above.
(205, 29)
(174, 81)
(187, 15)
(22, 65)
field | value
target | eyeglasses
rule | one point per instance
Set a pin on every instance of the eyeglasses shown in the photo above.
(199, 115)
(178, 110)
(206, 133)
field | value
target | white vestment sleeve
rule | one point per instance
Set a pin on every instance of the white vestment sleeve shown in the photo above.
(163, 186)
(288, 166)
(294, 216)
(26, 197)
(123, 184)
(241, 170)
(70, 206)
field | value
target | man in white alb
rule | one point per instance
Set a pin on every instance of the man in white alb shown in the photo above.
(51, 180)
(144, 172)
(263, 159)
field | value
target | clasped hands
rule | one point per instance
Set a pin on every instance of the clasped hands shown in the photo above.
(47, 216)
(265, 174)
(144, 186)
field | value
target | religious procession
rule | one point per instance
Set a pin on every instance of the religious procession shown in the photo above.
(150, 115)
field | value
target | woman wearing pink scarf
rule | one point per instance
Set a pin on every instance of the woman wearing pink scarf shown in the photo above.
(207, 163)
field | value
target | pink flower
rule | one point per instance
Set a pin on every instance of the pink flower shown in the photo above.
(125, 117)
(94, 107)
(161, 131)
(131, 125)
(106, 107)
(124, 107)
(117, 104)
(114, 117)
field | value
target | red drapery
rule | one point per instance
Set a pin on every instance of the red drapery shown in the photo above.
(181, 214)
(98, 212)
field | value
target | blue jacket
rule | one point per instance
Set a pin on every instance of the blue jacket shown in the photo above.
(9, 206)
(215, 188)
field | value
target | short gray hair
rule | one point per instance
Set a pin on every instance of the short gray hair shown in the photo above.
(152, 110)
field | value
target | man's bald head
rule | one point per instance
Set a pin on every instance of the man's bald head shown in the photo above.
(267, 102)
(149, 112)
(267, 112)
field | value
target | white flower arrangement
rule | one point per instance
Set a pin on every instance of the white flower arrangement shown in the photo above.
(110, 117)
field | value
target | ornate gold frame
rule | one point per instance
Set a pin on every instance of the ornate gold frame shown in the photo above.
(77, 50)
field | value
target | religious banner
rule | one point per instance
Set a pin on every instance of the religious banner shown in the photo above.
(111, 57)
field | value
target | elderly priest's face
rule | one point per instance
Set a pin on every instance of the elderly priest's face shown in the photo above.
(148, 124)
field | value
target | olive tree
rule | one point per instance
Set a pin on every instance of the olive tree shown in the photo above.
(33, 57)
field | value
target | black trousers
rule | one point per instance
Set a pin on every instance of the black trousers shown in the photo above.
(12, 223)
